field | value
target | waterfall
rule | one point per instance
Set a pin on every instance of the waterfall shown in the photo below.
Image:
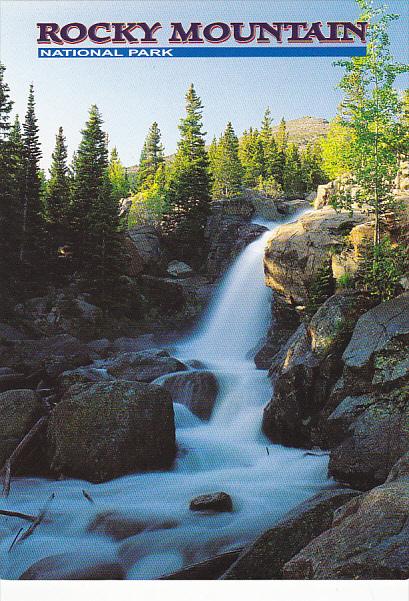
(228, 453)
(238, 316)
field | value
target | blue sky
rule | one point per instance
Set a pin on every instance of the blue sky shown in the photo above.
(132, 93)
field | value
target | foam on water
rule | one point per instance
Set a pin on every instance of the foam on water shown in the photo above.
(229, 453)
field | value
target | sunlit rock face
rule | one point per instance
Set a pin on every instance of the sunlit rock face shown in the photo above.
(295, 252)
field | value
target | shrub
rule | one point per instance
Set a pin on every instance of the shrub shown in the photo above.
(382, 266)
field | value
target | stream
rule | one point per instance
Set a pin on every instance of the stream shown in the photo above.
(227, 453)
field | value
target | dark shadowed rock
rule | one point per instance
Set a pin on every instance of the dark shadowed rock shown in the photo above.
(195, 389)
(105, 430)
(144, 366)
(400, 470)
(120, 526)
(369, 539)
(51, 355)
(375, 441)
(144, 250)
(228, 231)
(305, 369)
(9, 333)
(11, 380)
(82, 375)
(73, 566)
(284, 323)
(265, 558)
(211, 569)
(101, 347)
(179, 300)
(129, 345)
(219, 501)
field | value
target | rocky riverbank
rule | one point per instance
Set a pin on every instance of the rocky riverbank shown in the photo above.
(86, 397)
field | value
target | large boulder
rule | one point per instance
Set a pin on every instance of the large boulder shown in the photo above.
(297, 251)
(195, 389)
(20, 409)
(177, 300)
(143, 366)
(81, 375)
(305, 369)
(228, 231)
(368, 539)
(366, 420)
(265, 558)
(144, 250)
(108, 429)
(61, 312)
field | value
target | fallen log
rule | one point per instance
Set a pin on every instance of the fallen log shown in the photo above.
(18, 514)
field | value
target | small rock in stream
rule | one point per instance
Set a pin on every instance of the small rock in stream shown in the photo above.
(219, 501)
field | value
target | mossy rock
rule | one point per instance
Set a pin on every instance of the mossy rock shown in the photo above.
(108, 429)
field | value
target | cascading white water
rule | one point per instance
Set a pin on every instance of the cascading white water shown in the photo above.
(227, 453)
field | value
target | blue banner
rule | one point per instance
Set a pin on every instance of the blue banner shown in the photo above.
(203, 52)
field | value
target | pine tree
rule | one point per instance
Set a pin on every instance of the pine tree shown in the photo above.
(90, 172)
(58, 195)
(98, 248)
(321, 287)
(32, 235)
(212, 156)
(293, 182)
(271, 168)
(6, 105)
(189, 185)
(251, 156)
(10, 162)
(117, 176)
(152, 157)
(226, 168)
(282, 144)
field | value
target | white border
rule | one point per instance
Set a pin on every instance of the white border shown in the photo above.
(319, 590)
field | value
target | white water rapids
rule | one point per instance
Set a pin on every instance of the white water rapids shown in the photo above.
(227, 453)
